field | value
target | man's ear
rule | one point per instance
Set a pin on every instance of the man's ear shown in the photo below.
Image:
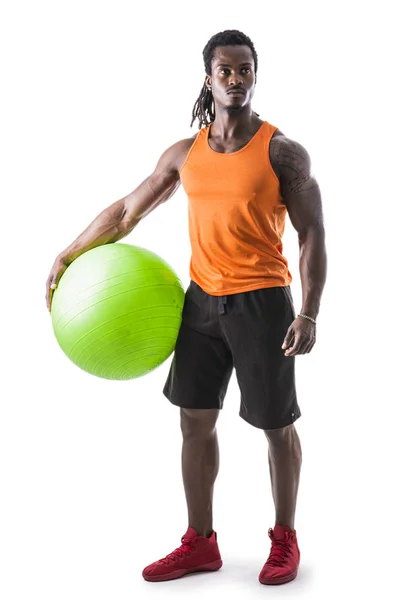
(207, 82)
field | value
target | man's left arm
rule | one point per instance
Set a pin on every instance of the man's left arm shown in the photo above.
(302, 197)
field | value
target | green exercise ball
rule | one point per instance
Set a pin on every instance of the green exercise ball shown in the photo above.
(117, 310)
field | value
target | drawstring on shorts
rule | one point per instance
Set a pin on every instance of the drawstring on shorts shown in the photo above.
(222, 300)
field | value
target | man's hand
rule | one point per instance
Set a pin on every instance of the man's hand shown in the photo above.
(57, 270)
(300, 338)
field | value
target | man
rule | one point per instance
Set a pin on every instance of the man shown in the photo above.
(241, 176)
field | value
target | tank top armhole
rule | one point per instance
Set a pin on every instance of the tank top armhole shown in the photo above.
(190, 151)
(267, 142)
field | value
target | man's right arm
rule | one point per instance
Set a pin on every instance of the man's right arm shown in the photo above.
(121, 217)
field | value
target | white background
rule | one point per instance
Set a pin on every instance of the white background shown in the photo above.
(91, 492)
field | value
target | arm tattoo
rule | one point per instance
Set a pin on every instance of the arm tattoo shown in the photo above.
(292, 164)
(300, 191)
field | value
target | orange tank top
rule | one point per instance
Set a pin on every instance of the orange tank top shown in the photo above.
(236, 216)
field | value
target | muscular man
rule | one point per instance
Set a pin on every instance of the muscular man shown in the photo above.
(242, 176)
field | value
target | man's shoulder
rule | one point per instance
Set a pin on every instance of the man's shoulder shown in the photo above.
(187, 143)
(174, 156)
(184, 144)
(285, 151)
(182, 147)
(282, 143)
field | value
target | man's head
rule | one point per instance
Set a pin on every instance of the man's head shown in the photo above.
(230, 61)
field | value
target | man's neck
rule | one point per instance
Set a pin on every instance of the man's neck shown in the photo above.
(232, 123)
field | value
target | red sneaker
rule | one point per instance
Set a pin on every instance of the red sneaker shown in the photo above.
(197, 553)
(284, 558)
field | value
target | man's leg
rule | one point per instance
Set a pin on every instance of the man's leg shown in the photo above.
(200, 464)
(255, 324)
(197, 383)
(200, 461)
(285, 458)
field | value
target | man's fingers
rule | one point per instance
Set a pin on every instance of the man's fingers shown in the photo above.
(293, 350)
(49, 294)
(298, 346)
(310, 346)
(53, 279)
(302, 345)
(288, 339)
(49, 297)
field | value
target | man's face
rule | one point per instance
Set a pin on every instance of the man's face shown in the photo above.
(232, 69)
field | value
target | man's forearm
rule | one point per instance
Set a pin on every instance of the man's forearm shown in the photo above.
(108, 227)
(313, 268)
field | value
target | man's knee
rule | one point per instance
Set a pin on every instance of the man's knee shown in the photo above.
(281, 436)
(198, 422)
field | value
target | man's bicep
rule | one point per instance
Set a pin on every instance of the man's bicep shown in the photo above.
(156, 188)
(305, 207)
(153, 191)
(299, 188)
(165, 179)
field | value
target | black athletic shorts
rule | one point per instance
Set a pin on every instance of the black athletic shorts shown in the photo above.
(244, 331)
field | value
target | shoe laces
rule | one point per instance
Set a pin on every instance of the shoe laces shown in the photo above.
(185, 549)
(280, 549)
